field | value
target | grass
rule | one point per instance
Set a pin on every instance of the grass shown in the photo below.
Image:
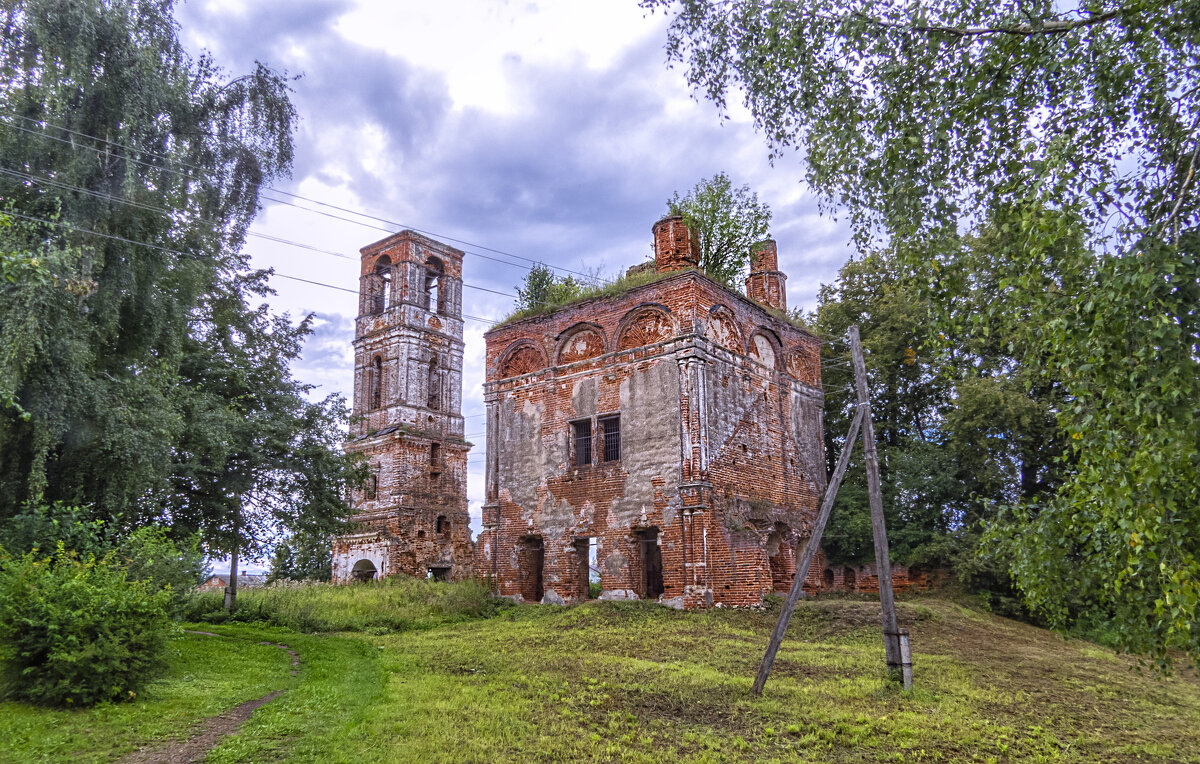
(398, 603)
(634, 682)
(206, 676)
(340, 678)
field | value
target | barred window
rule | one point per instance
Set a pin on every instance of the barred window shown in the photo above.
(610, 428)
(581, 433)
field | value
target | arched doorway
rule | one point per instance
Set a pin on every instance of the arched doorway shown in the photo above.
(363, 570)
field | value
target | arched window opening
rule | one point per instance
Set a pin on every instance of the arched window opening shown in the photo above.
(434, 400)
(443, 526)
(380, 286)
(435, 293)
(377, 382)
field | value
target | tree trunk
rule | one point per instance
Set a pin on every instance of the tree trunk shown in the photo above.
(231, 590)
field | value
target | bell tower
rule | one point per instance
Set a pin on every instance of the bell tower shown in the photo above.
(411, 516)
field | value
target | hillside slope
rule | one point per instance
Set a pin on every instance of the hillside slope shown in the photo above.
(436, 672)
(637, 682)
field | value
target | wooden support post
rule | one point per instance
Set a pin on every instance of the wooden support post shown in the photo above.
(883, 565)
(810, 551)
(906, 660)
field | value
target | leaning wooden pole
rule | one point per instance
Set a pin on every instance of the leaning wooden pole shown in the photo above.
(883, 565)
(810, 550)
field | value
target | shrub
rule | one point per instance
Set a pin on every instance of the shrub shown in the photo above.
(148, 553)
(43, 527)
(77, 632)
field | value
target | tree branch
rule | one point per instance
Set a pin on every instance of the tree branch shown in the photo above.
(1048, 27)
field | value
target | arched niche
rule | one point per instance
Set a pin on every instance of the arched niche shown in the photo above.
(579, 343)
(764, 347)
(722, 329)
(803, 365)
(644, 325)
(522, 357)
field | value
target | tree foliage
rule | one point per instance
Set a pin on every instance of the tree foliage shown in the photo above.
(727, 221)
(542, 289)
(1076, 129)
(136, 378)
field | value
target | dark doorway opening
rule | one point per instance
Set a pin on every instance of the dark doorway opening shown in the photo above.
(530, 564)
(363, 570)
(828, 578)
(848, 579)
(652, 577)
(582, 571)
(439, 574)
(777, 557)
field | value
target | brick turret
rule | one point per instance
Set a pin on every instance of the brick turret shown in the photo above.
(674, 246)
(766, 282)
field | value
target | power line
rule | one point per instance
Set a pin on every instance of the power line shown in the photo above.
(148, 245)
(368, 216)
(150, 208)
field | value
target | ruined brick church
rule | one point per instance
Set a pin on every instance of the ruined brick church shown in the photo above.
(663, 443)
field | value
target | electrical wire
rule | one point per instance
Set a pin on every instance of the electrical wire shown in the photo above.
(192, 256)
(533, 263)
(150, 208)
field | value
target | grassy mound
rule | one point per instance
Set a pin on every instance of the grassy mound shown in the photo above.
(397, 603)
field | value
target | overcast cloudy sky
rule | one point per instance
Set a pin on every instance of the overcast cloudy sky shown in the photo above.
(552, 131)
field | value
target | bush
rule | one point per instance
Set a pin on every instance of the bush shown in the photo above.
(148, 553)
(43, 527)
(77, 632)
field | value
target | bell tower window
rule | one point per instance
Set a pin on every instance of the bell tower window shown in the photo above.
(379, 286)
(435, 293)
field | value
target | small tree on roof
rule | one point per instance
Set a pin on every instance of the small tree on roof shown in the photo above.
(727, 221)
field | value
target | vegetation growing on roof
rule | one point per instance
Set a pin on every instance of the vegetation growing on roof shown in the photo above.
(545, 293)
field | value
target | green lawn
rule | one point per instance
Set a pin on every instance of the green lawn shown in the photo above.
(641, 683)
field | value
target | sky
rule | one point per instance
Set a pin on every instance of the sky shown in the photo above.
(551, 132)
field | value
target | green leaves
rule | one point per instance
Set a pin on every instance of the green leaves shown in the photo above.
(727, 221)
(1064, 142)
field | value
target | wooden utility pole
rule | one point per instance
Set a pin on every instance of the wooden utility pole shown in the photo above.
(883, 565)
(895, 643)
(810, 551)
